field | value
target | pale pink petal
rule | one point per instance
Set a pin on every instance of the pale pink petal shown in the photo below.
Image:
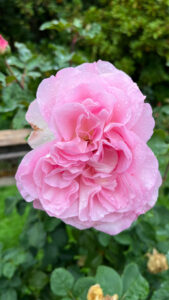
(107, 162)
(46, 97)
(24, 176)
(87, 192)
(64, 121)
(145, 124)
(105, 67)
(116, 223)
(41, 133)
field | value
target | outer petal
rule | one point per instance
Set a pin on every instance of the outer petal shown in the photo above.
(97, 67)
(24, 176)
(121, 85)
(105, 67)
(41, 133)
(145, 124)
(46, 96)
(116, 223)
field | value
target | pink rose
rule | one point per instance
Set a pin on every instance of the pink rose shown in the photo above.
(3, 44)
(90, 165)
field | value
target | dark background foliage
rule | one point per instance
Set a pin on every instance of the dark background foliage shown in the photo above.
(45, 36)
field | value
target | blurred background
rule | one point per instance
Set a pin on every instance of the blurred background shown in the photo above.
(42, 37)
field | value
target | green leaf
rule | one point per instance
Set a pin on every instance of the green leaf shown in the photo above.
(20, 258)
(77, 23)
(35, 62)
(19, 120)
(62, 56)
(38, 280)
(157, 142)
(51, 223)
(104, 239)
(59, 237)
(51, 253)
(11, 254)
(109, 280)
(58, 25)
(131, 272)
(135, 286)
(34, 74)
(10, 79)
(9, 270)
(61, 282)
(29, 261)
(36, 235)
(162, 293)
(123, 238)
(165, 109)
(82, 286)
(21, 207)
(24, 53)
(9, 294)
(14, 61)
(49, 25)
(15, 256)
(15, 282)
(91, 30)
(14, 97)
(10, 97)
(10, 204)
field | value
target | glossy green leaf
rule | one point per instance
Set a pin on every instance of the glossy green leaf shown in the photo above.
(38, 280)
(134, 289)
(61, 282)
(104, 239)
(82, 286)
(9, 270)
(36, 235)
(9, 294)
(109, 280)
(24, 53)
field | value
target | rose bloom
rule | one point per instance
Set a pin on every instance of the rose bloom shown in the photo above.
(91, 166)
(3, 44)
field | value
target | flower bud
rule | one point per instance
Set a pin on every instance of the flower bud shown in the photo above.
(3, 44)
(157, 262)
(95, 293)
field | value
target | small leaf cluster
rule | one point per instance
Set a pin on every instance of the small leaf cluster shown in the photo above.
(131, 285)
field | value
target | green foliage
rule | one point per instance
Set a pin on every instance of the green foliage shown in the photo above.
(52, 260)
(109, 280)
(9, 294)
(162, 293)
(9, 218)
